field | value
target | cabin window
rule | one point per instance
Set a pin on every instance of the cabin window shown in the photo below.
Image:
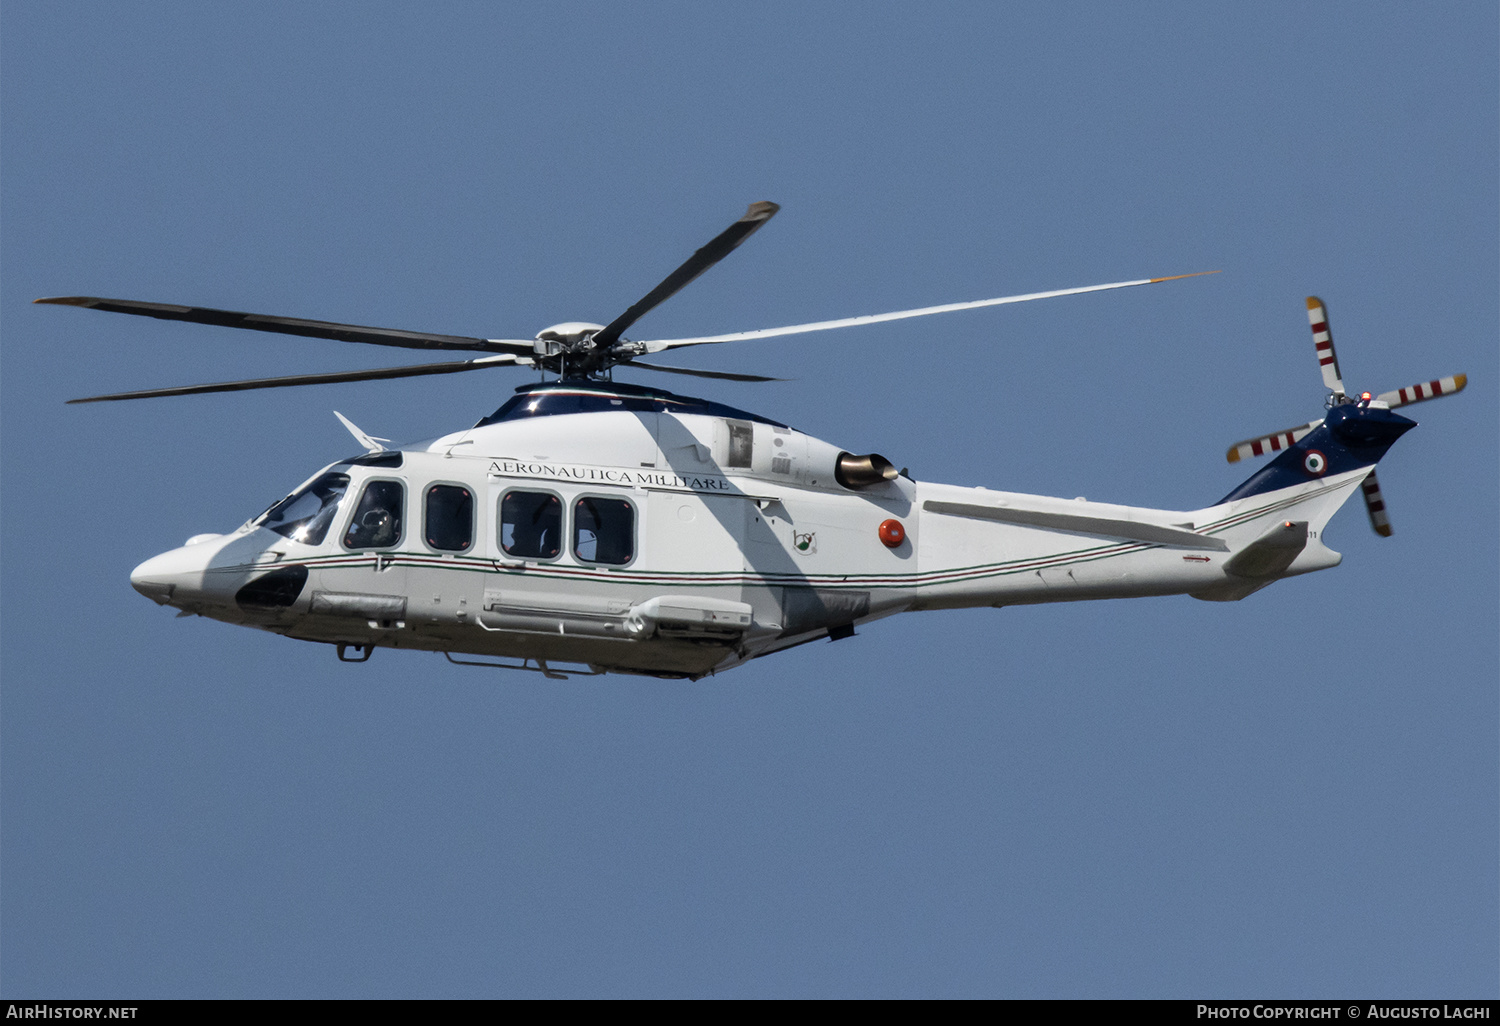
(376, 523)
(531, 524)
(449, 518)
(604, 530)
(304, 515)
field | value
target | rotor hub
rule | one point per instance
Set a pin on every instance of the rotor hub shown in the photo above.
(569, 333)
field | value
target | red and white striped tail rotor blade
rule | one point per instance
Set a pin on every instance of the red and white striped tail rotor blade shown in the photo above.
(1328, 360)
(1375, 506)
(1268, 443)
(1426, 390)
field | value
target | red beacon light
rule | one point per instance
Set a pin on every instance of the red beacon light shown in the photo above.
(892, 534)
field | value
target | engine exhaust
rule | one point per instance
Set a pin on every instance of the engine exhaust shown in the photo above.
(857, 472)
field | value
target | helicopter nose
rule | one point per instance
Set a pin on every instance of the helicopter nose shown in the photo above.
(167, 576)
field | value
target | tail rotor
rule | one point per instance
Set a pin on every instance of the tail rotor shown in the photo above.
(1333, 380)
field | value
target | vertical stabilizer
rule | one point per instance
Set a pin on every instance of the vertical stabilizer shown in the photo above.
(1353, 435)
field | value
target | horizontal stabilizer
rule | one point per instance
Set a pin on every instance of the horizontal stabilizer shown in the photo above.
(1109, 527)
(1271, 553)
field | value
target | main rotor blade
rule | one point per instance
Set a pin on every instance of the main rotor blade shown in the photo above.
(721, 375)
(298, 326)
(721, 246)
(1425, 391)
(498, 360)
(660, 345)
(1328, 360)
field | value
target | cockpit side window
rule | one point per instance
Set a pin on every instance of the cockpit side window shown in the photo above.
(305, 515)
(450, 518)
(376, 523)
(531, 524)
(603, 530)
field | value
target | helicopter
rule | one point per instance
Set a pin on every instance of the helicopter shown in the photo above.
(589, 526)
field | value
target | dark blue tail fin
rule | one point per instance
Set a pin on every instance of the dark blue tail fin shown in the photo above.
(1353, 435)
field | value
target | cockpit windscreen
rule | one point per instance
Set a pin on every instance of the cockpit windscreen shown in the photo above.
(305, 515)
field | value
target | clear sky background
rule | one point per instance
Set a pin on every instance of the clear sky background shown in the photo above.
(1294, 795)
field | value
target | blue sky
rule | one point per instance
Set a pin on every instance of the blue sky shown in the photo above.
(1294, 795)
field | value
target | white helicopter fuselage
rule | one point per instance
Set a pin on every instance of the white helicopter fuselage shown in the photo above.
(631, 530)
(679, 538)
